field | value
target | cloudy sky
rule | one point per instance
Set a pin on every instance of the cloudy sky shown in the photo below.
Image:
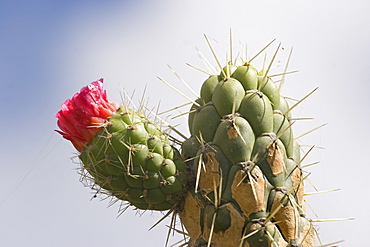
(50, 49)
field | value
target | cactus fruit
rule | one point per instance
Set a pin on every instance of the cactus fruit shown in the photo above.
(126, 154)
(238, 179)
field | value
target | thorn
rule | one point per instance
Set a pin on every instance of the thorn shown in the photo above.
(305, 155)
(286, 68)
(164, 216)
(320, 192)
(311, 164)
(264, 48)
(268, 68)
(169, 126)
(304, 145)
(231, 46)
(301, 118)
(214, 55)
(200, 164)
(172, 109)
(328, 220)
(176, 90)
(284, 73)
(310, 131)
(205, 72)
(209, 66)
(300, 101)
(187, 85)
(182, 114)
(212, 228)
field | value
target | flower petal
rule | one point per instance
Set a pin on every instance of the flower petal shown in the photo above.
(85, 114)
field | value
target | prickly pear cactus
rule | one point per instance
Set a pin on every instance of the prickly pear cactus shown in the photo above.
(247, 184)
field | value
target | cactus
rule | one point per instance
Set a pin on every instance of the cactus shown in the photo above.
(125, 154)
(238, 179)
(247, 184)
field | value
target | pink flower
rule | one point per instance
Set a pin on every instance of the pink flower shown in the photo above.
(85, 114)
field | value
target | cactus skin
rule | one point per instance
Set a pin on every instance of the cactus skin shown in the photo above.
(247, 187)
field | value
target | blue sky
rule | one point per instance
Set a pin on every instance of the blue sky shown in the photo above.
(50, 49)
